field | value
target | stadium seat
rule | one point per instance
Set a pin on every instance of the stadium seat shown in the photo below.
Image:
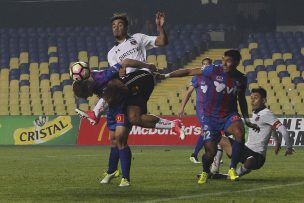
(268, 62)
(276, 56)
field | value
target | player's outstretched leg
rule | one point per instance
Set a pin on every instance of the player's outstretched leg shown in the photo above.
(198, 147)
(207, 159)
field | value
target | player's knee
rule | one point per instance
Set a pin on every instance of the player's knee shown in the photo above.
(135, 120)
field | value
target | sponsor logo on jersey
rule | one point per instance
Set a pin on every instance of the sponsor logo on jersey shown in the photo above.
(219, 78)
(120, 118)
(235, 118)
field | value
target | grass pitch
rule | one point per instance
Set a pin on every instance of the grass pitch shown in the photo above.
(158, 174)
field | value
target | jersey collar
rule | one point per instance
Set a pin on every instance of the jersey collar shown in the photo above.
(260, 109)
(127, 37)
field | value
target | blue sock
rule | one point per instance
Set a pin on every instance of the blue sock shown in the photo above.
(206, 164)
(237, 148)
(113, 160)
(125, 156)
(198, 147)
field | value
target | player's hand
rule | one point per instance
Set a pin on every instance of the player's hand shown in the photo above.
(277, 148)
(255, 127)
(289, 151)
(122, 72)
(152, 67)
(159, 76)
(160, 19)
(181, 113)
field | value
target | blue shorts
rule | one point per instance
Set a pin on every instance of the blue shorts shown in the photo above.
(213, 126)
(116, 117)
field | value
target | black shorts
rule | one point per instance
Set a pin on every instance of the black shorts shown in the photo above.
(140, 84)
(248, 153)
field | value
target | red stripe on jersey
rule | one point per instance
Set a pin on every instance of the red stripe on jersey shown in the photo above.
(276, 125)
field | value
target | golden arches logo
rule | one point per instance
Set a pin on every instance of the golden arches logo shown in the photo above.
(102, 129)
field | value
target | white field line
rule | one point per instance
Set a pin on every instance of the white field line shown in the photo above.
(223, 192)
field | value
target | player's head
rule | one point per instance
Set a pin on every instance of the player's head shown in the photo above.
(258, 98)
(120, 25)
(206, 61)
(231, 59)
(83, 89)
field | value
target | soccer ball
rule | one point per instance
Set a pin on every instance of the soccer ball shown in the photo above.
(80, 71)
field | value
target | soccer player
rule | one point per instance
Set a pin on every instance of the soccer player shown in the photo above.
(194, 85)
(254, 153)
(106, 84)
(134, 47)
(223, 85)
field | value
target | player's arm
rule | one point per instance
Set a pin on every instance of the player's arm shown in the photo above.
(137, 64)
(181, 73)
(185, 101)
(162, 39)
(244, 109)
(282, 129)
(277, 141)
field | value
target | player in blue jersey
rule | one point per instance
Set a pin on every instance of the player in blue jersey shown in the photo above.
(116, 93)
(195, 85)
(222, 86)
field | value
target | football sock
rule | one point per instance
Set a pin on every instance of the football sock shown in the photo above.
(242, 171)
(206, 163)
(198, 147)
(113, 160)
(237, 148)
(125, 156)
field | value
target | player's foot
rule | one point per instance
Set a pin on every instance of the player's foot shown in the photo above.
(90, 115)
(124, 183)
(109, 176)
(203, 178)
(177, 128)
(232, 174)
(194, 159)
(214, 168)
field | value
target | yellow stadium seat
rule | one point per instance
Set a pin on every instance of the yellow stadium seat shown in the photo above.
(253, 45)
(103, 64)
(276, 108)
(280, 67)
(65, 76)
(268, 62)
(24, 76)
(249, 68)
(299, 108)
(289, 86)
(53, 59)
(244, 51)
(295, 99)
(60, 110)
(287, 56)
(152, 59)
(258, 62)
(241, 68)
(281, 94)
(288, 109)
(162, 61)
(24, 57)
(34, 67)
(84, 106)
(14, 63)
(295, 74)
(291, 68)
(83, 56)
(26, 110)
(14, 110)
(93, 61)
(52, 49)
(44, 68)
(302, 51)
(276, 56)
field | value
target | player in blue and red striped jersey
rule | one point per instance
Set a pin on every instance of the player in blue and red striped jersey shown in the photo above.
(116, 93)
(223, 86)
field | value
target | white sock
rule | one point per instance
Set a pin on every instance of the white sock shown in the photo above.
(98, 107)
(164, 124)
(242, 171)
(215, 167)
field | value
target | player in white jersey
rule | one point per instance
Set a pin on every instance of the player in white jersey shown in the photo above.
(140, 81)
(254, 153)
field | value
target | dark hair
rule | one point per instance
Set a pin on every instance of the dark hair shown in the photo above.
(208, 59)
(121, 16)
(234, 54)
(81, 89)
(261, 91)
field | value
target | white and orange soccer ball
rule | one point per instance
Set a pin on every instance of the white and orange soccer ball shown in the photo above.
(80, 71)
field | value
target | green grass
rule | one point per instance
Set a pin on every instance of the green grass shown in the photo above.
(66, 174)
